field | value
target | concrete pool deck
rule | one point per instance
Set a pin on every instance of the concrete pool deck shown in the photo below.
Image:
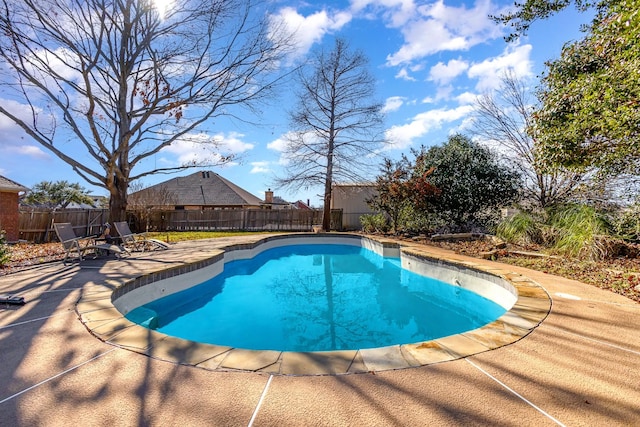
(580, 366)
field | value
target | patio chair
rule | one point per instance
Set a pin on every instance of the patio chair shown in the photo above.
(79, 245)
(138, 241)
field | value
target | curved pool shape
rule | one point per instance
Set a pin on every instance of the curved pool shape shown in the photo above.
(317, 297)
(188, 264)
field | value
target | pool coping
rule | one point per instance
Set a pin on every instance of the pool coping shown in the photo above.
(98, 314)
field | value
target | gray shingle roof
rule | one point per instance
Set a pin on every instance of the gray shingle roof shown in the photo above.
(206, 188)
(8, 185)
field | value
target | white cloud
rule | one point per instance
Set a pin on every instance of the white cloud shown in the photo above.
(465, 125)
(489, 71)
(260, 167)
(397, 12)
(307, 30)
(442, 73)
(403, 136)
(30, 150)
(205, 148)
(280, 144)
(232, 142)
(467, 98)
(283, 145)
(21, 111)
(404, 75)
(435, 27)
(393, 104)
(12, 137)
(444, 92)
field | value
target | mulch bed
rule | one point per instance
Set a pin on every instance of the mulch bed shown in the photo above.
(27, 255)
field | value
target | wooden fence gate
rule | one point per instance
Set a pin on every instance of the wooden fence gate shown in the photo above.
(36, 225)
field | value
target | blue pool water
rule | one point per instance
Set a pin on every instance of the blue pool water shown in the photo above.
(317, 298)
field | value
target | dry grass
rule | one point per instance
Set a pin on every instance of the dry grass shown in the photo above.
(620, 275)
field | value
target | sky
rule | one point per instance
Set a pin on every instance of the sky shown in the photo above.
(431, 60)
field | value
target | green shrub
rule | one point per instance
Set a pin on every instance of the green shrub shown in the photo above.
(377, 223)
(627, 223)
(582, 231)
(5, 252)
(522, 228)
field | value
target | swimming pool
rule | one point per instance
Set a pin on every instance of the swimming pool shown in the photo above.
(190, 263)
(333, 294)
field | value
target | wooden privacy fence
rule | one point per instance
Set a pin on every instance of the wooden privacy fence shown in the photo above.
(37, 225)
(233, 219)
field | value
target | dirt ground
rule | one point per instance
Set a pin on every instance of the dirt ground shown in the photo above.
(620, 275)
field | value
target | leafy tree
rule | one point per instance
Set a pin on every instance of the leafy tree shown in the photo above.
(401, 193)
(392, 190)
(58, 194)
(590, 112)
(502, 119)
(125, 79)
(524, 14)
(335, 122)
(472, 183)
(422, 192)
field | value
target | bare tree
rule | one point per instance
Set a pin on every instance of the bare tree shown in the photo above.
(145, 200)
(125, 79)
(335, 125)
(503, 118)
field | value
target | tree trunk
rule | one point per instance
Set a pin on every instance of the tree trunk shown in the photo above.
(118, 201)
(326, 213)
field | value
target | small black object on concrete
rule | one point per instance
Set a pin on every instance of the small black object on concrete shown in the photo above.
(11, 299)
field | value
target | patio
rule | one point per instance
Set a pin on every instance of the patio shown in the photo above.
(581, 366)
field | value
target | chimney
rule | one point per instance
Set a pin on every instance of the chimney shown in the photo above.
(268, 196)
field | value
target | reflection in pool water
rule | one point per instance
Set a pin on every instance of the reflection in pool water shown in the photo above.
(315, 298)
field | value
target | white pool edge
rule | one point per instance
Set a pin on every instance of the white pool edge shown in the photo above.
(492, 287)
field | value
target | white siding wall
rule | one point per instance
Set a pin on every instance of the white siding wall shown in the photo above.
(351, 199)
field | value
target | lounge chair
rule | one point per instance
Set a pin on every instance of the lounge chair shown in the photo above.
(137, 241)
(79, 245)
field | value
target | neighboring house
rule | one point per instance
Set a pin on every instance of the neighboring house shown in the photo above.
(98, 202)
(351, 198)
(302, 205)
(9, 213)
(274, 202)
(198, 191)
(277, 202)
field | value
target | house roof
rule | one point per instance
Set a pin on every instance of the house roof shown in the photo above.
(277, 200)
(301, 205)
(206, 188)
(355, 184)
(11, 186)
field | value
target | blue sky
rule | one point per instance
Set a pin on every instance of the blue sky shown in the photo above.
(430, 59)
